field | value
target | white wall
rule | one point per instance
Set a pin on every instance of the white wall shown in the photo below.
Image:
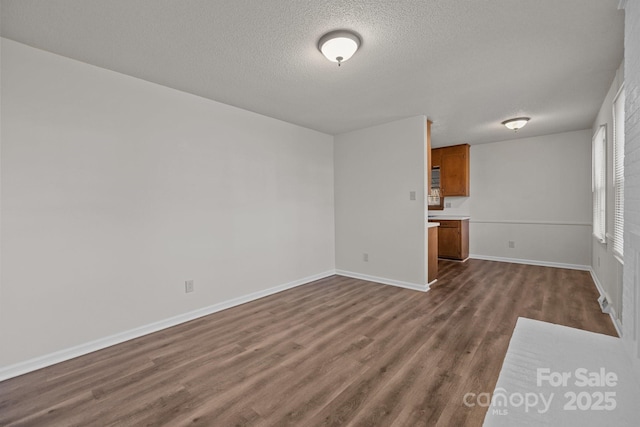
(375, 170)
(606, 267)
(0, 177)
(116, 191)
(535, 192)
(631, 283)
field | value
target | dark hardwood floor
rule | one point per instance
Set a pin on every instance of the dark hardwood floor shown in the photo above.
(336, 352)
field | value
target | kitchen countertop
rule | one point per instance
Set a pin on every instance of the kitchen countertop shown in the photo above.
(433, 224)
(447, 217)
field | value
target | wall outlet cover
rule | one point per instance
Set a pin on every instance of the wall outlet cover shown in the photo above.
(188, 286)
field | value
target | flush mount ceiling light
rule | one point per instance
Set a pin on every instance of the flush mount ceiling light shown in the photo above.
(339, 46)
(517, 123)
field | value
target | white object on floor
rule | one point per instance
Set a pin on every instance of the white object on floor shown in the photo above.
(554, 375)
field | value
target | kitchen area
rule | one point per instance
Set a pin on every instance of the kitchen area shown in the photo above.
(448, 175)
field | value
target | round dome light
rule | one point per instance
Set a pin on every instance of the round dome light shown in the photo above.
(517, 123)
(339, 46)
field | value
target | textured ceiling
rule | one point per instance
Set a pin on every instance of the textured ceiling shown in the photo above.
(466, 64)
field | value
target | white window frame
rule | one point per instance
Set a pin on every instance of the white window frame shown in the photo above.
(599, 182)
(618, 173)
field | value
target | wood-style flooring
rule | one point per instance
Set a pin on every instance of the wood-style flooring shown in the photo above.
(335, 352)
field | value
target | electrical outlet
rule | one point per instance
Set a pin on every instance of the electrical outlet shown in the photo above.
(512, 244)
(412, 195)
(447, 204)
(598, 261)
(188, 286)
(365, 257)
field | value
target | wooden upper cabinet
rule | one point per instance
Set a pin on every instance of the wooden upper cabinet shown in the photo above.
(436, 157)
(454, 169)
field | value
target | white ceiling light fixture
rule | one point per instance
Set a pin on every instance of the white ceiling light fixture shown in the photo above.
(517, 123)
(338, 46)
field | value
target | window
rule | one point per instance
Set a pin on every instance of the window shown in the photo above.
(599, 182)
(618, 173)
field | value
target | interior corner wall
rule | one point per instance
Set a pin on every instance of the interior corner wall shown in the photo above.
(0, 181)
(605, 266)
(0, 176)
(534, 192)
(376, 169)
(116, 190)
(631, 273)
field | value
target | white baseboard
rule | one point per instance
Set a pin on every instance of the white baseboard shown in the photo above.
(532, 262)
(384, 281)
(89, 347)
(602, 292)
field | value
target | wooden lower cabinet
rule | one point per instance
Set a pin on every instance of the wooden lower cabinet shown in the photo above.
(453, 239)
(432, 259)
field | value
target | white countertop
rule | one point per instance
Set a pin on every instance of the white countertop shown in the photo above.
(433, 224)
(447, 217)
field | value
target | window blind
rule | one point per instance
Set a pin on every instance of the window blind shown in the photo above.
(618, 173)
(599, 182)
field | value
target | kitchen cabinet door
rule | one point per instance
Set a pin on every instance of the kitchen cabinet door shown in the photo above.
(453, 239)
(454, 170)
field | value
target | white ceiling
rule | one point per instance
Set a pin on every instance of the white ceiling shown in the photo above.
(466, 64)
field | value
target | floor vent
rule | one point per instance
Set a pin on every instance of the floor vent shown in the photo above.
(604, 304)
